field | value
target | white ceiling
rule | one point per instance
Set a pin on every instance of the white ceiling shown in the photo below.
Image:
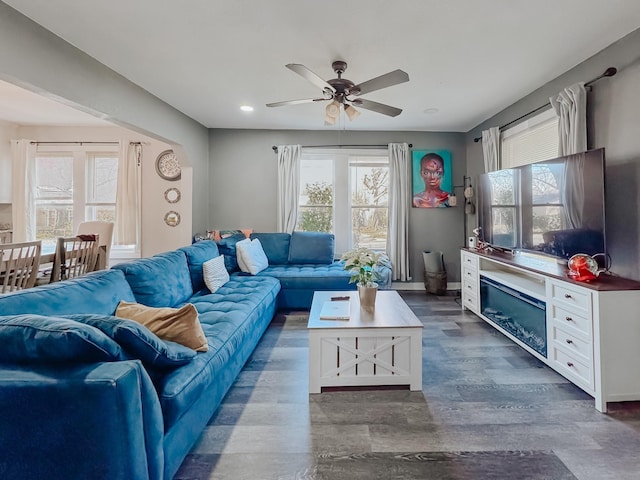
(468, 59)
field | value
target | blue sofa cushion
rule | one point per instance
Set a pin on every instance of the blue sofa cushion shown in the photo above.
(275, 246)
(233, 320)
(39, 339)
(197, 254)
(159, 281)
(311, 247)
(310, 276)
(138, 342)
(96, 292)
(227, 247)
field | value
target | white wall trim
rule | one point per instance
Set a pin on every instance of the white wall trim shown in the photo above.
(420, 286)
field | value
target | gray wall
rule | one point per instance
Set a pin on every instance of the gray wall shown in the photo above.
(34, 58)
(243, 179)
(613, 123)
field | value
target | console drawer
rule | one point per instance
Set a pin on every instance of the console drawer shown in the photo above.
(470, 301)
(576, 370)
(571, 321)
(469, 260)
(571, 344)
(573, 299)
(470, 280)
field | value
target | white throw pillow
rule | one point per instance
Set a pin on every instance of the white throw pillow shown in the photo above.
(215, 274)
(251, 256)
(241, 262)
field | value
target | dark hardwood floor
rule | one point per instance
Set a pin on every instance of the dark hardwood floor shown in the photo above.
(487, 410)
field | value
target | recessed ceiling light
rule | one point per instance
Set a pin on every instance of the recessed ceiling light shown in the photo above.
(431, 110)
(246, 108)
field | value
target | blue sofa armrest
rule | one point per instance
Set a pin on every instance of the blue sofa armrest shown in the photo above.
(98, 421)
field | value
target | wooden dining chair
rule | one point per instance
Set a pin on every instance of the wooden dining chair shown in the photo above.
(105, 230)
(74, 256)
(19, 264)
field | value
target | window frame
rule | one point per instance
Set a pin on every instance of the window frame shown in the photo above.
(342, 163)
(82, 156)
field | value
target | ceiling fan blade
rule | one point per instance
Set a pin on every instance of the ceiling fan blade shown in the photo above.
(377, 107)
(312, 77)
(383, 81)
(296, 102)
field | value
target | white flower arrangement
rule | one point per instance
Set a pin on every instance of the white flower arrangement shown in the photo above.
(361, 262)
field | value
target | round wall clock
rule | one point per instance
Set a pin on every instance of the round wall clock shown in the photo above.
(167, 166)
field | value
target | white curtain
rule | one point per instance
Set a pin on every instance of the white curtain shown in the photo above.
(23, 186)
(288, 186)
(570, 106)
(491, 149)
(572, 190)
(399, 201)
(126, 231)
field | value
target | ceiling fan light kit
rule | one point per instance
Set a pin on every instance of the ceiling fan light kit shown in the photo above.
(331, 113)
(333, 109)
(351, 112)
(341, 91)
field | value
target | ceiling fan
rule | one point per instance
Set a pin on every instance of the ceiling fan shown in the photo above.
(341, 91)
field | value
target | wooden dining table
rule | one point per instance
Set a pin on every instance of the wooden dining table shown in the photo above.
(48, 254)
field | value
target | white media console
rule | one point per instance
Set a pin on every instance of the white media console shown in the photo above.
(592, 329)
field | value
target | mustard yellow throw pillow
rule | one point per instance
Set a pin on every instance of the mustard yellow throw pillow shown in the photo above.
(180, 325)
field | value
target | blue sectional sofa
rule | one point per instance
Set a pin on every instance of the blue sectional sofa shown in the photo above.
(87, 395)
(79, 405)
(303, 262)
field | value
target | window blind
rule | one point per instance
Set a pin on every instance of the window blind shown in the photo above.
(531, 141)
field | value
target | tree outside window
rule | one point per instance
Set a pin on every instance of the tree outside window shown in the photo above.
(346, 194)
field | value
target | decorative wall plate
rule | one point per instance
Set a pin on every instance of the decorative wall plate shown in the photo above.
(167, 166)
(172, 218)
(172, 195)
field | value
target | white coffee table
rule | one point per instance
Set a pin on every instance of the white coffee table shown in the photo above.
(382, 346)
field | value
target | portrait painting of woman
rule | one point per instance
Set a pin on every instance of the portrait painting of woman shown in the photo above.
(432, 183)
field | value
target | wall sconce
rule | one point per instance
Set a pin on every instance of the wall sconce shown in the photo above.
(467, 191)
(469, 207)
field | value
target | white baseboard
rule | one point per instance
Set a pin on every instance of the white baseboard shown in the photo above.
(420, 286)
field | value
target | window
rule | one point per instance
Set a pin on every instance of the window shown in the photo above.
(73, 186)
(526, 200)
(546, 201)
(533, 140)
(504, 186)
(345, 193)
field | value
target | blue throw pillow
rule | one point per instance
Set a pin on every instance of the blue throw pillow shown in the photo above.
(159, 281)
(41, 339)
(197, 254)
(275, 246)
(227, 247)
(139, 342)
(311, 247)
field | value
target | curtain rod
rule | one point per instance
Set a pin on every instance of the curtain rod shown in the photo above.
(609, 72)
(75, 143)
(275, 148)
(87, 143)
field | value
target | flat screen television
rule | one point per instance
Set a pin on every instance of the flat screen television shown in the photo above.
(554, 207)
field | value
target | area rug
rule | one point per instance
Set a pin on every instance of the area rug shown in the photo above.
(487, 465)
